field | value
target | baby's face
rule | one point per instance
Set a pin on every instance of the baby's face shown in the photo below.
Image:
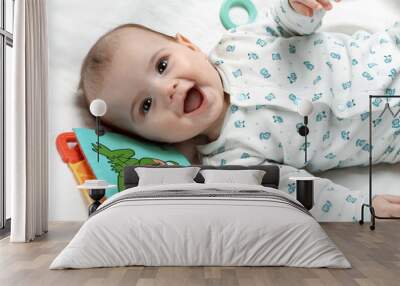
(162, 90)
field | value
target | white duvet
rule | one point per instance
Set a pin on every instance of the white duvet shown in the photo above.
(201, 230)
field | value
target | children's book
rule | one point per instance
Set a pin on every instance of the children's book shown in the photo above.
(116, 151)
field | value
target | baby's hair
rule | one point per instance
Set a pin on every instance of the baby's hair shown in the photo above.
(97, 62)
(99, 58)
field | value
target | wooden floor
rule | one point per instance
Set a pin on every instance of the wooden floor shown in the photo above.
(374, 255)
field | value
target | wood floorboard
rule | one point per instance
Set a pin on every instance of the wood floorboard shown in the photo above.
(374, 255)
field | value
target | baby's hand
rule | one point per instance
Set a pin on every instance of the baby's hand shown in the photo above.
(307, 7)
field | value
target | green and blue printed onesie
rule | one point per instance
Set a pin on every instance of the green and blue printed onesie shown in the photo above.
(269, 66)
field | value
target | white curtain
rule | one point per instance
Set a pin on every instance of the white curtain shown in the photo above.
(26, 123)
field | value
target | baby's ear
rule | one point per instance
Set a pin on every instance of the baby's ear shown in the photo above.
(185, 41)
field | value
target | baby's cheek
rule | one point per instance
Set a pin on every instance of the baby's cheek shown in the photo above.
(204, 72)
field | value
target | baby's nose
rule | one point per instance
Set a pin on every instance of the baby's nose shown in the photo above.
(174, 95)
(171, 89)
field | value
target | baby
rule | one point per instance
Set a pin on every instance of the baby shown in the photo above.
(239, 104)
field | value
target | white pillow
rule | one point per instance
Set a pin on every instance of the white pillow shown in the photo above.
(163, 176)
(248, 177)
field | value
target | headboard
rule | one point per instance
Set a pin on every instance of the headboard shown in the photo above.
(270, 179)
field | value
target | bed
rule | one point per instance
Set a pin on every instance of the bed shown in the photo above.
(207, 219)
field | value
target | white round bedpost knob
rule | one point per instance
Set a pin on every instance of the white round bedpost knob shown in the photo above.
(305, 107)
(98, 107)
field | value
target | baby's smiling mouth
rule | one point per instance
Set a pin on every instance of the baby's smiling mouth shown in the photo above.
(193, 100)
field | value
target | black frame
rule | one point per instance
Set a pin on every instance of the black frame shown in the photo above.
(6, 39)
(270, 179)
(371, 208)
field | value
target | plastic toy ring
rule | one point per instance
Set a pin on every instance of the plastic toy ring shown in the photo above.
(228, 4)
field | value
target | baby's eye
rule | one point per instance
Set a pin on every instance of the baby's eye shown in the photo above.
(162, 65)
(146, 104)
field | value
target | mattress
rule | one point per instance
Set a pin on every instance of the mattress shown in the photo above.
(195, 224)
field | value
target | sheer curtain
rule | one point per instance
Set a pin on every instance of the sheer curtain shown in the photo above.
(26, 123)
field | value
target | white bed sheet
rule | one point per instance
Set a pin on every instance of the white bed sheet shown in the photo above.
(74, 26)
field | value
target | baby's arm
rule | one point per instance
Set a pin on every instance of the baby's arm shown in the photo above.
(299, 17)
(333, 202)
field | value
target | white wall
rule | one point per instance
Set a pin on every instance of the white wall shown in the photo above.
(74, 25)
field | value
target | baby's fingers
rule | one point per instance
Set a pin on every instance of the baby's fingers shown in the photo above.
(313, 4)
(326, 4)
(302, 9)
(307, 7)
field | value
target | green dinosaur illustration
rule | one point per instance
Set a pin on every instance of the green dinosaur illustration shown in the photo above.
(121, 158)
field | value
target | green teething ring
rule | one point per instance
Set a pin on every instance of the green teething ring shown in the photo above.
(228, 4)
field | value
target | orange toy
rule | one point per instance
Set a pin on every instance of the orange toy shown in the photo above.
(71, 154)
